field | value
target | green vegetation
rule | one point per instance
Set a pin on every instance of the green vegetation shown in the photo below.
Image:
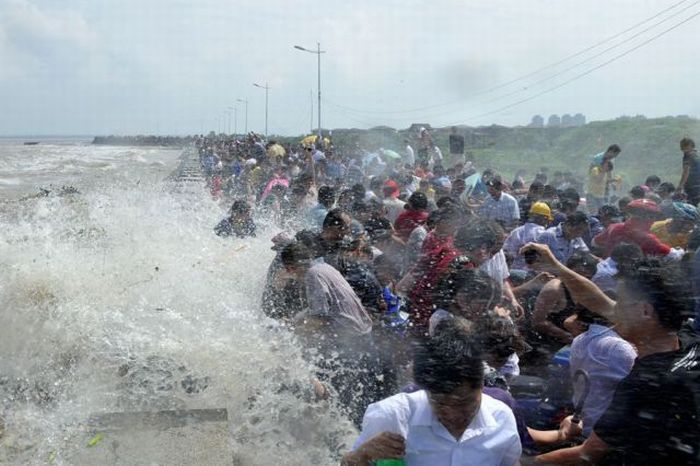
(649, 145)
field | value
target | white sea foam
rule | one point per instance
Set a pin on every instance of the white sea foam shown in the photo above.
(120, 298)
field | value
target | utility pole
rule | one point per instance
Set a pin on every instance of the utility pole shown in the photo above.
(267, 90)
(318, 53)
(311, 120)
(245, 101)
(320, 133)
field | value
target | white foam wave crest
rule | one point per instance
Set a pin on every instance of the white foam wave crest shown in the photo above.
(122, 299)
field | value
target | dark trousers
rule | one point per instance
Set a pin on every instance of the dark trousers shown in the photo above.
(355, 373)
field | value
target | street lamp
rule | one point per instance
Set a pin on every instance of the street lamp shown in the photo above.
(235, 119)
(318, 53)
(227, 113)
(246, 112)
(267, 89)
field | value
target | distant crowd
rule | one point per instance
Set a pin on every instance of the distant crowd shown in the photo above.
(460, 318)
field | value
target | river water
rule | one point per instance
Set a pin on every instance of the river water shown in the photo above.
(120, 299)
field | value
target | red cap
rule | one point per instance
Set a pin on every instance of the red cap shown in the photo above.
(644, 206)
(391, 188)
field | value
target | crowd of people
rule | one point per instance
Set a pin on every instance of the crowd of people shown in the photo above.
(428, 291)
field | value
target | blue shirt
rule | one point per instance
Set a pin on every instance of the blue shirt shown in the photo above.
(317, 215)
(335, 170)
(598, 159)
(517, 239)
(607, 359)
(606, 275)
(559, 245)
(594, 226)
(504, 209)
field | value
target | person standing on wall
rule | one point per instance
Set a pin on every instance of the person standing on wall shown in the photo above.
(690, 179)
(599, 178)
(456, 147)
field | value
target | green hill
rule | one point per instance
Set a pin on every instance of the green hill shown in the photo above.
(649, 145)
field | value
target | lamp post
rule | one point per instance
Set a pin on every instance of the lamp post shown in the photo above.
(246, 112)
(233, 109)
(267, 89)
(227, 112)
(318, 53)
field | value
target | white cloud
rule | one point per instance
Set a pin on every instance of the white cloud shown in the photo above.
(41, 36)
(166, 65)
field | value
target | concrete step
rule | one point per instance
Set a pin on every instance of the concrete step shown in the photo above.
(180, 437)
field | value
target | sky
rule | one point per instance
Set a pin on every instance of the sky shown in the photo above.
(94, 67)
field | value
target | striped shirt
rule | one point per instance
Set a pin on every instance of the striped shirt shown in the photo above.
(505, 209)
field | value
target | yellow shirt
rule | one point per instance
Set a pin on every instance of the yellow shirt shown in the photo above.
(597, 179)
(674, 240)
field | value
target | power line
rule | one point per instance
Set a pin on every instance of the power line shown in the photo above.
(533, 73)
(599, 54)
(351, 118)
(585, 73)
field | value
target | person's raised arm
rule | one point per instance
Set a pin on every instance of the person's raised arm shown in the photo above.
(510, 296)
(588, 453)
(536, 283)
(582, 290)
(568, 431)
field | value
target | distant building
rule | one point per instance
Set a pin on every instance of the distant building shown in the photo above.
(567, 120)
(579, 119)
(537, 122)
(554, 121)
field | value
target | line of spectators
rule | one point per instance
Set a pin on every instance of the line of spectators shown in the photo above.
(425, 295)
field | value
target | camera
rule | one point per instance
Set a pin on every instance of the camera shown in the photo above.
(531, 256)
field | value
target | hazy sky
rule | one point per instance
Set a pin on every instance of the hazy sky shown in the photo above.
(174, 66)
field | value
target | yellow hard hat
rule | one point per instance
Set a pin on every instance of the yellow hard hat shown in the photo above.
(541, 208)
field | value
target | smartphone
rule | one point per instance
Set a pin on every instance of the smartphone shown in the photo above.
(531, 256)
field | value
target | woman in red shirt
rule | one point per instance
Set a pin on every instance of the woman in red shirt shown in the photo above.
(414, 215)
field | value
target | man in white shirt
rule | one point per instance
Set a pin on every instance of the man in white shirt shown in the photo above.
(538, 217)
(450, 422)
(500, 206)
(393, 206)
(409, 157)
(624, 256)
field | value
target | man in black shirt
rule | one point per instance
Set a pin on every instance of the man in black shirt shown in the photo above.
(239, 223)
(456, 147)
(655, 412)
(690, 179)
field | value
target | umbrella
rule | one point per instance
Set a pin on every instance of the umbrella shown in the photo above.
(470, 184)
(309, 140)
(390, 154)
(368, 157)
(276, 150)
